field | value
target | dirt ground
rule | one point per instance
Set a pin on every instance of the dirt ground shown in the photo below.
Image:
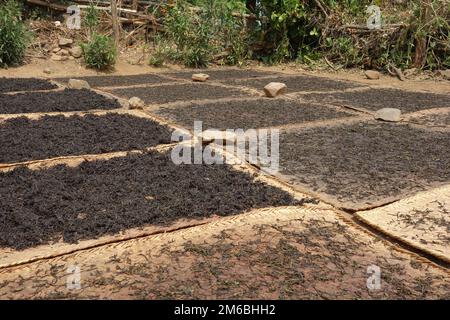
(258, 248)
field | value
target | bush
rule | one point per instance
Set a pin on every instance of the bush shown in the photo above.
(300, 29)
(92, 18)
(100, 53)
(196, 37)
(14, 35)
(161, 52)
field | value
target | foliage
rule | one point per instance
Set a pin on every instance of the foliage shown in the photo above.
(161, 52)
(92, 17)
(99, 53)
(300, 29)
(397, 46)
(14, 35)
(197, 35)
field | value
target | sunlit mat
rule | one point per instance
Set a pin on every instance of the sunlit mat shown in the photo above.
(421, 221)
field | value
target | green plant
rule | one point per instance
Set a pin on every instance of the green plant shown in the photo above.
(100, 53)
(196, 36)
(191, 35)
(162, 52)
(344, 50)
(290, 30)
(14, 35)
(91, 18)
(238, 51)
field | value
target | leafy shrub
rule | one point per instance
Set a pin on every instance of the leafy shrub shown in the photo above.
(301, 29)
(162, 51)
(418, 35)
(92, 18)
(100, 53)
(196, 37)
(14, 35)
(190, 34)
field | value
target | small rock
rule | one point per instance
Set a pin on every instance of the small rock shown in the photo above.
(63, 52)
(136, 103)
(56, 57)
(71, 58)
(200, 77)
(445, 74)
(76, 52)
(64, 42)
(78, 84)
(47, 71)
(388, 114)
(57, 23)
(372, 75)
(274, 89)
(57, 49)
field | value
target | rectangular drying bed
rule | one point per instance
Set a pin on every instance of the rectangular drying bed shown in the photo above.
(249, 114)
(24, 139)
(300, 83)
(361, 165)
(421, 221)
(25, 84)
(222, 75)
(374, 99)
(180, 93)
(64, 205)
(118, 81)
(56, 101)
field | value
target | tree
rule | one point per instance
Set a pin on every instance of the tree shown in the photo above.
(115, 23)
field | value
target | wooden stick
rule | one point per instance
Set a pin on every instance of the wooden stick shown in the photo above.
(53, 6)
(319, 4)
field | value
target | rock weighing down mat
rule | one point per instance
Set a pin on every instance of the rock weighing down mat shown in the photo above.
(300, 83)
(117, 81)
(374, 99)
(55, 101)
(422, 221)
(61, 205)
(23, 139)
(180, 92)
(360, 165)
(249, 114)
(24, 84)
